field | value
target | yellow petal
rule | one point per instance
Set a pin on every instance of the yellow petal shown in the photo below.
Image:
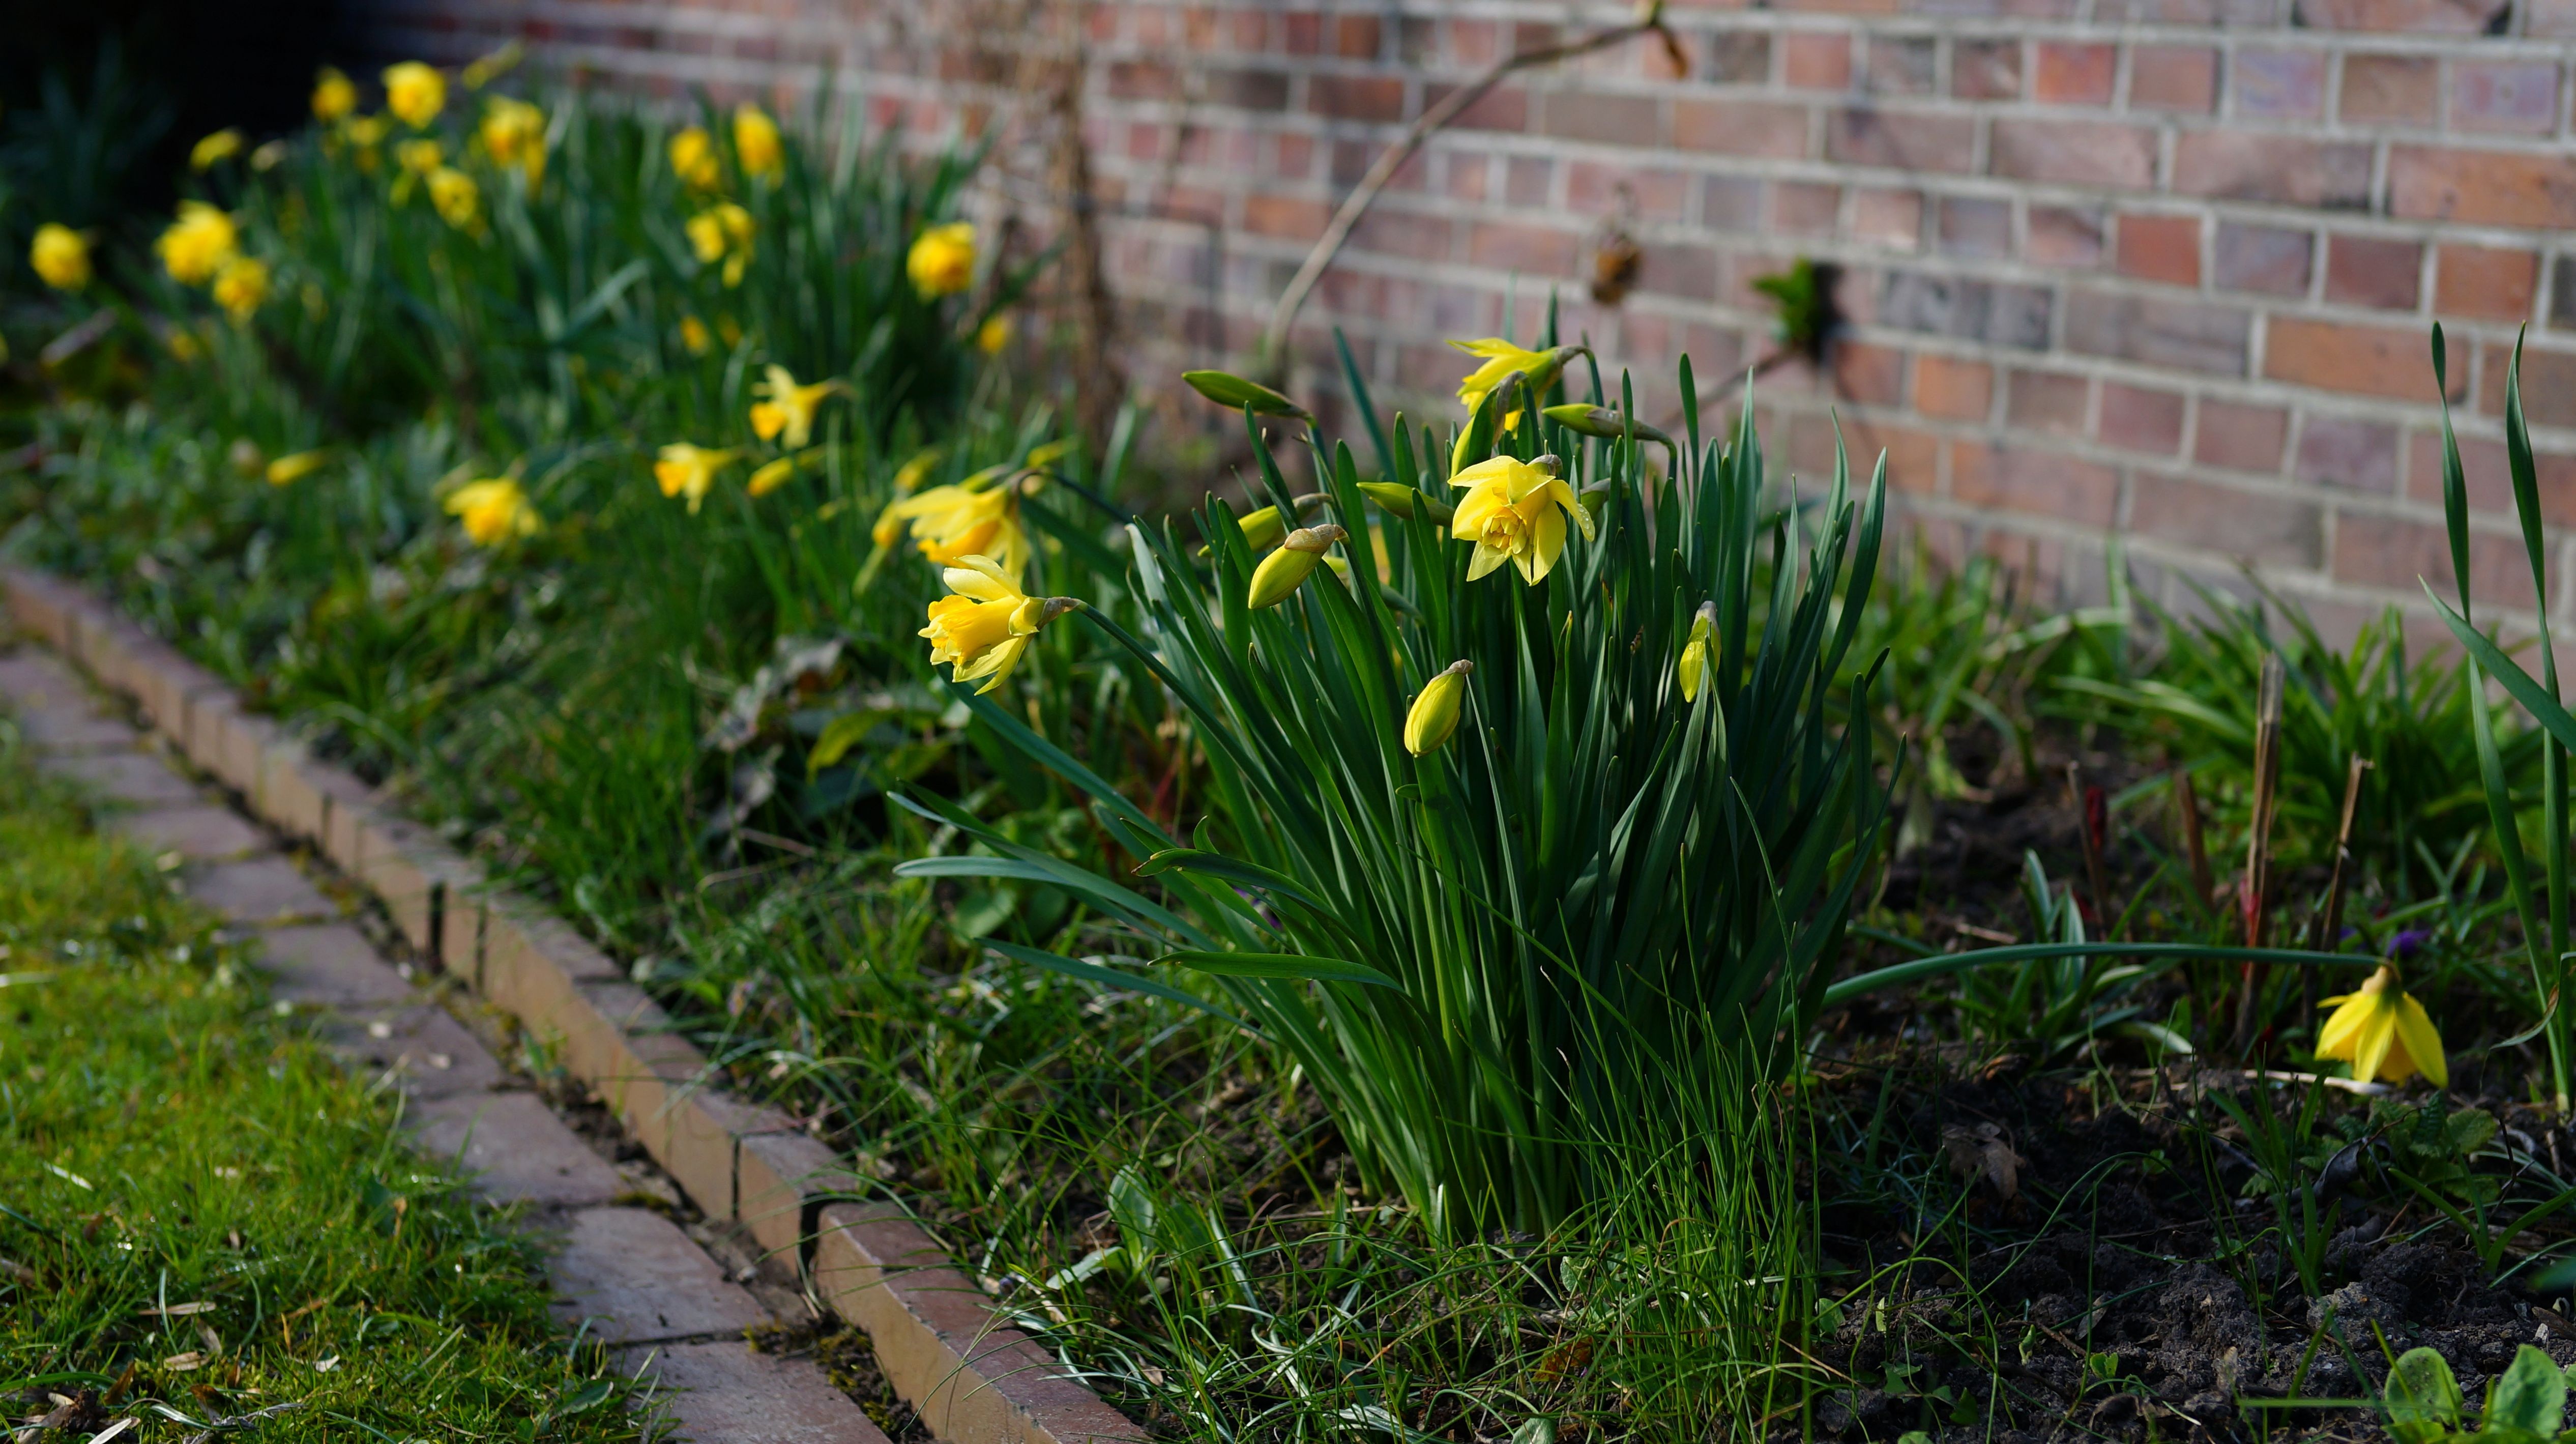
(2343, 1027)
(1485, 560)
(2422, 1044)
(2370, 1047)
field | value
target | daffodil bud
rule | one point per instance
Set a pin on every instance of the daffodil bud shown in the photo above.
(1401, 500)
(1281, 572)
(1262, 529)
(1605, 422)
(1434, 714)
(1594, 497)
(1235, 393)
(1694, 662)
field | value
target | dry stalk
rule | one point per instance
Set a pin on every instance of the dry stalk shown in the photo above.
(2253, 900)
(2194, 849)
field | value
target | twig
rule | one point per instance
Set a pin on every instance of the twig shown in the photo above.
(2187, 812)
(2329, 924)
(2258, 834)
(1274, 338)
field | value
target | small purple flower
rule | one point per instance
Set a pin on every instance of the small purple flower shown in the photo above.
(2407, 944)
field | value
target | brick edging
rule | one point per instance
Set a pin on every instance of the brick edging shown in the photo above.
(971, 1375)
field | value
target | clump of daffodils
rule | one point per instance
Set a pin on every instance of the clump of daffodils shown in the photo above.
(198, 244)
(415, 93)
(60, 257)
(693, 159)
(942, 260)
(2383, 1033)
(756, 143)
(335, 96)
(514, 136)
(722, 232)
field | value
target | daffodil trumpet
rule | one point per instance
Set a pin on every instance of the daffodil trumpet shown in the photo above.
(1286, 569)
(2383, 1033)
(1433, 716)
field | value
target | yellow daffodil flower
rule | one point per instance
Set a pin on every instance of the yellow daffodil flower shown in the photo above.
(60, 257)
(335, 96)
(685, 470)
(968, 519)
(420, 157)
(695, 336)
(1284, 570)
(994, 334)
(494, 511)
(241, 286)
(458, 201)
(909, 475)
(693, 159)
(1694, 663)
(1515, 511)
(484, 69)
(415, 93)
(514, 134)
(942, 261)
(756, 142)
(288, 470)
(1434, 714)
(789, 408)
(1502, 358)
(364, 133)
(2383, 1033)
(981, 631)
(771, 476)
(215, 149)
(198, 244)
(722, 232)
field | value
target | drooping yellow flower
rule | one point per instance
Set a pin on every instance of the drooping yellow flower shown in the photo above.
(458, 201)
(1515, 511)
(756, 143)
(909, 475)
(982, 630)
(482, 70)
(335, 96)
(198, 244)
(724, 232)
(1502, 358)
(967, 519)
(942, 261)
(789, 408)
(514, 134)
(695, 336)
(693, 159)
(241, 286)
(2383, 1033)
(685, 470)
(771, 476)
(494, 511)
(994, 334)
(1284, 570)
(215, 149)
(290, 469)
(1694, 663)
(1434, 714)
(60, 256)
(415, 93)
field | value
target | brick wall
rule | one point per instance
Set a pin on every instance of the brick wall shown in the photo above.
(2154, 269)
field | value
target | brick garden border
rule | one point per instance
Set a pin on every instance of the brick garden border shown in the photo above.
(972, 1377)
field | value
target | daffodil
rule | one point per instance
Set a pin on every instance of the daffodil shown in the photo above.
(685, 470)
(494, 511)
(2383, 1033)
(695, 336)
(458, 201)
(1434, 714)
(693, 159)
(415, 93)
(270, 155)
(771, 476)
(241, 286)
(722, 232)
(215, 149)
(198, 244)
(908, 476)
(787, 416)
(756, 143)
(364, 133)
(967, 519)
(1694, 662)
(994, 334)
(420, 157)
(1284, 570)
(982, 629)
(514, 134)
(335, 96)
(942, 260)
(60, 257)
(1502, 358)
(1515, 511)
(290, 469)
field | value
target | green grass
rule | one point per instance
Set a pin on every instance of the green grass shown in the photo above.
(185, 1178)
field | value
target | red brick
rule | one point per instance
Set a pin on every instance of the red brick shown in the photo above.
(2486, 283)
(1805, 208)
(2141, 418)
(2090, 153)
(2393, 362)
(1741, 127)
(1528, 180)
(2398, 89)
(1739, 57)
(1678, 270)
(1606, 119)
(2252, 525)
(1869, 375)
(1403, 233)
(1657, 194)
(1510, 245)
(1902, 65)
(1378, 98)
(1504, 108)
(2049, 401)
(1953, 389)
(2401, 556)
(2279, 84)
(1356, 37)
(2423, 17)
(1301, 32)
(1812, 60)
(2270, 259)
(2177, 333)
(2065, 236)
(2238, 437)
(1986, 70)
(1898, 140)
(2160, 248)
(2371, 271)
(2348, 454)
(1888, 218)
(2489, 479)
(2482, 187)
(2179, 78)
(1290, 216)
(2073, 74)
(2548, 384)
(1976, 226)
(2518, 97)
(2247, 165)
(2041, 482)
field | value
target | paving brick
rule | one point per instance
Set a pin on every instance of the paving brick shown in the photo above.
(2486, 283)
(2371, 271)
(135, 778)
(2182, 79)
(197, 833)
(2482, 187)
(777, 1174)
(722, 1393)
(29, 677)
(422, 1046)
(630, 1276)
(517, 1149)
(2237, 436)
(258, 892)
(67, 728)
(330, 964)
(2393, 362)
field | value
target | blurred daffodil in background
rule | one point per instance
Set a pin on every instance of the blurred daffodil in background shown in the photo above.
(415, 93)
(60, 256)
(972, 518)
(695, 336)
(693, 159)
(756, 142)
(197, 245)
(722, 232)
(215, 149)
(994, 334)
(1515, 511)
(241, 287)
(494, 511)
(514, 136)
(290, 469)
(982, 629)
(690, 471)
(458, 201)
(942, 260)
(335, 96)
(787, 414)
(484, 69)
(2383, 1033)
